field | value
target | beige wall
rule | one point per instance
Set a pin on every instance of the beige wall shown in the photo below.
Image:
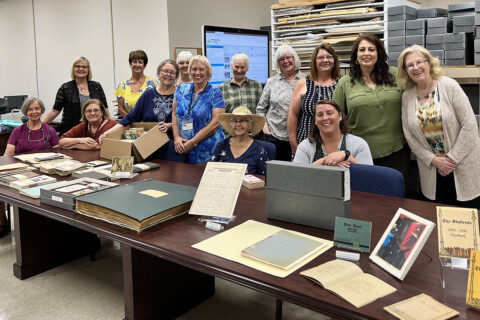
(440, 3)
(188, 16)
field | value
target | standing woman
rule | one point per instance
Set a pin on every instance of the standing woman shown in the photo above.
(275, 100)
(371, 99)
(183, 59)
(72, 95)
(440, 127)
(130, 90)
(196, 107)
(319, 85)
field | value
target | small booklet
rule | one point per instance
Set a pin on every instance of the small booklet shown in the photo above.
(283, 249)
(32, 182)
(348, 281)
(473, 285)
(421, 307)
(252, 182)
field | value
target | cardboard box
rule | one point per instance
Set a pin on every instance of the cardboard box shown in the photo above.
(461, 9)
(307, 194)
(396, 10)
(416, 27)
(439, 25)
(431, 13)
(476, 45)
(140, 148)
(458, 41)
(411, 40)
(464, 24)
(459, 57)
(393, 55)
(396, 44)
(435, 41)
(48, 194)
(396, 28)
(439, 54)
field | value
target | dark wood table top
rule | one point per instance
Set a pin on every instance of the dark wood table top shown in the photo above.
(173, 240)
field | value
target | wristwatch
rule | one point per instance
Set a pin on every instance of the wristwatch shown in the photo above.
(347, 155)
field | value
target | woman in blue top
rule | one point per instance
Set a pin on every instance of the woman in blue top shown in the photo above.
(196, 107)
(241, 148)
(155, 104)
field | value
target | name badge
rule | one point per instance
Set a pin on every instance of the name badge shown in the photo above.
(187, 125)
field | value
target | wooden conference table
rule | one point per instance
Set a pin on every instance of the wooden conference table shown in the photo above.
(164, 276)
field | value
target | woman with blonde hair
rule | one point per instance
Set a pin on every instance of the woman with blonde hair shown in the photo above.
(183, 60)
(72, 95)
(440, 127)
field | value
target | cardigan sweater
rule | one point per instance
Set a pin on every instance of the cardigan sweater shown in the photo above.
(461, 140)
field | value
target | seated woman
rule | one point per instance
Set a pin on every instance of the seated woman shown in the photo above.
(241, 148)
(95, 121)
(33, 135)
(330, 143)
(155, 104)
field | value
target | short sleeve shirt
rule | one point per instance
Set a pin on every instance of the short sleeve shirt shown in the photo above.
(124, 91)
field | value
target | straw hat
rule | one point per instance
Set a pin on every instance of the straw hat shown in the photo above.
(257, 121)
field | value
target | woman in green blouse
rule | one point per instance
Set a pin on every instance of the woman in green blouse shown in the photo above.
(372, 101)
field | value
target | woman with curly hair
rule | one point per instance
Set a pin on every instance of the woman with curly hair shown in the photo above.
(371, 99)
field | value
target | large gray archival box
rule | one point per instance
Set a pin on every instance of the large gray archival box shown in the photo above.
(307, 194)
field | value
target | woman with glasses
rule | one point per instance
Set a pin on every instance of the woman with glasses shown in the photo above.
(319, 85)
(371, 99)
(440, 127)
(155, 104)
(95, 121)
(275, 100)
(72, 96)
(241, 124)
(183, 59)
(33, 135)
(130, 90)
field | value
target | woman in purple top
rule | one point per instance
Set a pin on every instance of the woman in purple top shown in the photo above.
(34, 135)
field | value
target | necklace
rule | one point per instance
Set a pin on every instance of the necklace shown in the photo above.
(34, 140)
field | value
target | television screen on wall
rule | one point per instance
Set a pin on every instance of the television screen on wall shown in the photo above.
(221, 43)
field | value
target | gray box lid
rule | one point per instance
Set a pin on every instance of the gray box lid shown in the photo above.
(437, 22)
(396, 25)
(455, 37)
(439, 54)
(464, 20)
(395, 41)
(454, 54)
(410, 40)
(431, 12)
(393, 56)
(402, 9)
(435, 38)
(416, 24)
(462, 6)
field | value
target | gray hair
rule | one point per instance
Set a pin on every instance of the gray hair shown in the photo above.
(173, 63)
(28, 102)
(184, 55)
(281, 51)
(240, 56)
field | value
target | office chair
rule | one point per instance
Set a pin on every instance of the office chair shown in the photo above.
(377, 179)
(270, 148)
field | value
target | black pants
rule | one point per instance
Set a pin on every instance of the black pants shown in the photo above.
(399, 160)
(284, 150)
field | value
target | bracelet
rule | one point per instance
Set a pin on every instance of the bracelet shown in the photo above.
(194, 143)
(347, 155)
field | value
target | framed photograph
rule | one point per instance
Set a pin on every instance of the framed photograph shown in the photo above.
(401, 243)
(192, 50)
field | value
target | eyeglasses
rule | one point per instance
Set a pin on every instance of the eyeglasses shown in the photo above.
(81, 67)
(93, 111)
(168, 72)
(289, 58)
(321, 58)
(410, 66)
(240, 121)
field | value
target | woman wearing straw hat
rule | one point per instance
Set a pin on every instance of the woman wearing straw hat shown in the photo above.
(241, 148)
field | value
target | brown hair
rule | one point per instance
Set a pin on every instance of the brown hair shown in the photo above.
(313, 62)
(314, 135)
(137, 55)
(105, 113)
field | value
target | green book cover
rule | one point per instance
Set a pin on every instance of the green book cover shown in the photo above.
(142, 199)
(352, 234)
(283, 249)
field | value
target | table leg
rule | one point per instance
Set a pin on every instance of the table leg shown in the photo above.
(156, 288)
(42, 243)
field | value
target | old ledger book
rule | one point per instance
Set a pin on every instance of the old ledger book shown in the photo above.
(283, 249)
(473, 285)
(348, 281)
(421, 307)
(457, 231)
(139, 205)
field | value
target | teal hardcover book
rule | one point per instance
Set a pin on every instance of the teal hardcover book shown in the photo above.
(138, 205)
(283, 249)
(34, 192)
(352, 234)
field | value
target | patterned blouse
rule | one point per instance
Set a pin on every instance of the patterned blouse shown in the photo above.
(429, 118)
(314, 94)
(130, 98)
(275, 102)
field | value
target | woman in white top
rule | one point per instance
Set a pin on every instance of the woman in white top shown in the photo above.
(329, 143)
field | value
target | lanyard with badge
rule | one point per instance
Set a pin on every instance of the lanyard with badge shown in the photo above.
(188, 124)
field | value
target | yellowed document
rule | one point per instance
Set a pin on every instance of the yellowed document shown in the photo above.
(13, 166)
(218, 190)
(230, 243)
(421, 307)
(473, 286)
(457, 231)
(348, 281)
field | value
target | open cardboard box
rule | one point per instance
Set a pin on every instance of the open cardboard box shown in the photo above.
(141, 148)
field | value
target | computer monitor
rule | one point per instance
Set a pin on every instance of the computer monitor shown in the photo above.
(221, 43)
